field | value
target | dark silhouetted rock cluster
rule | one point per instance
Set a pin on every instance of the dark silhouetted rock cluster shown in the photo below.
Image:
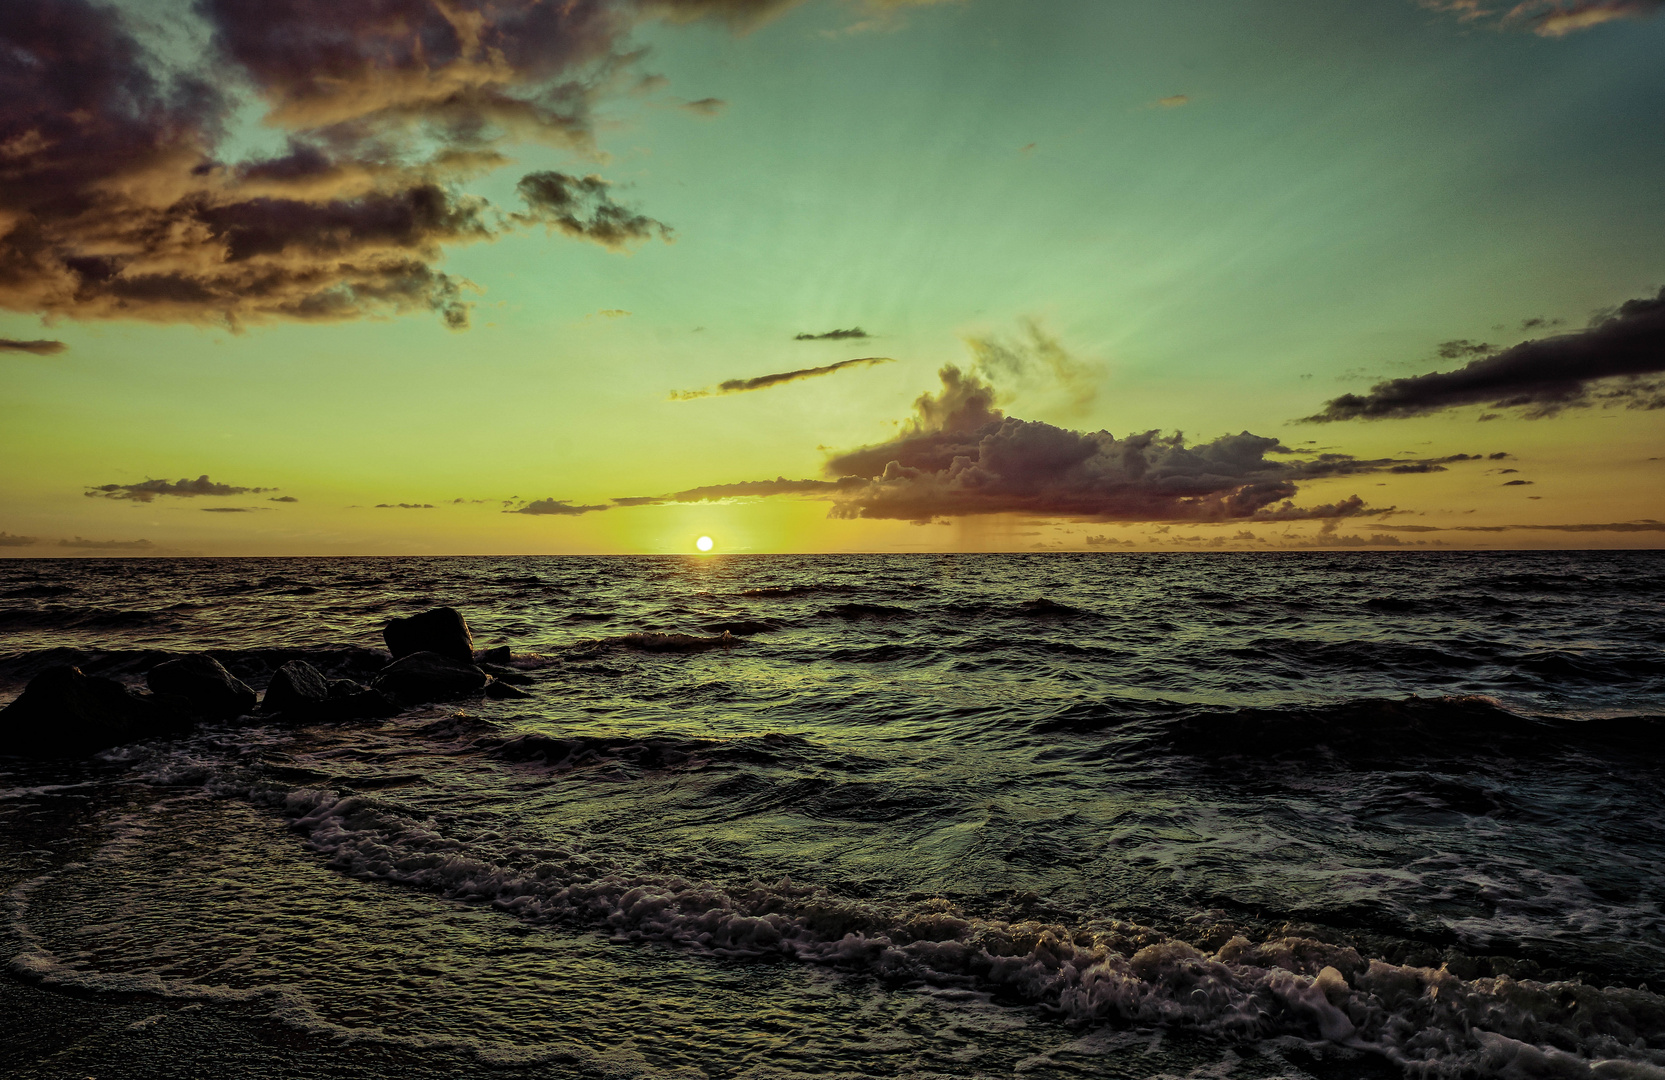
(63, 713)
(66, 713)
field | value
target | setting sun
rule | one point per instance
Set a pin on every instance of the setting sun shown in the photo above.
(704, 543)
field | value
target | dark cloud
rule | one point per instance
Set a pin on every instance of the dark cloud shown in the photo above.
(962, 456)
(233, 509)
(283, 498)
(1607, 362)
(1516, 483)
(404, 506)
(13, 540)
(706, 106)
(855, 333)
(763, 382)
(106, 545)
(115, 201)
(558, 507)
(1548, 18)
(150, 489)
(43, 347)
(582, 207)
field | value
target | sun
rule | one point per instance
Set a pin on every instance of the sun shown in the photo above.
(705, 543)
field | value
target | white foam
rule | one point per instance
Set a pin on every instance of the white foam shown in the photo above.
(1429, 1021)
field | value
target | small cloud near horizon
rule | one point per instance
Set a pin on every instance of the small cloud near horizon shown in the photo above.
(41, 347)
(1172, 101)
(705, 107)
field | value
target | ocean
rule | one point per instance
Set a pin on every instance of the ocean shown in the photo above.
(1317, 814)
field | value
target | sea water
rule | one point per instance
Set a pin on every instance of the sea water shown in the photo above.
(1129, 815)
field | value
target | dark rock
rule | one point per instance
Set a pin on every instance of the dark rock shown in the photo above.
(428, 676)
(498, 654)
(206, 688)
(499, 689)
(297, 687)
(63, 713)
(340, 688)
(442, 630)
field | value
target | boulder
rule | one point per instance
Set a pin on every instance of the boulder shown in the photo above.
(296, 688)
(502, 691)
(201, 686)
(63, 713)
(428, 676)
(497, 654)
(442, 630)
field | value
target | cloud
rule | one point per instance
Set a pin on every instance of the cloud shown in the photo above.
(962, 456)
(763, 382)
(233, 509)
(558, 507)
(706, 107)
(43, 347)
(1607, 362)
(613, 313)
(182, 488)
(1172, 101)
(581, 207)
(106, 545)
(283, 499)
(403, 506)
(1033, 359)
(1548, 18)
(13, 540)
(120, 196)
(853, 334)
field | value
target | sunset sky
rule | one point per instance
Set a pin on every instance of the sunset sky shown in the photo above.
(284, 277)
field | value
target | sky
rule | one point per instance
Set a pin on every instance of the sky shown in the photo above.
(470, 277)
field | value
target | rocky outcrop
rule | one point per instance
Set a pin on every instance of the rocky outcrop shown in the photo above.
(63, 713)
(297, 689)
(428, 676)
(442, 631)
(200, 686)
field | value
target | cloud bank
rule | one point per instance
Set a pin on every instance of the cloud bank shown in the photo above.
(1609, 362)
(763, 382)
(961, 456)
(116, 201)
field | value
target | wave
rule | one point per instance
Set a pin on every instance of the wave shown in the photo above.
(1431, 1022)
(84, 619)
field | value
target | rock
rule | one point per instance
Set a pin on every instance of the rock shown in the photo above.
(498, 654)
(442, 630)
(340, 688)
(63, 713)
(202, 687)
(501, 690)
(296, 688)
(428, 676)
